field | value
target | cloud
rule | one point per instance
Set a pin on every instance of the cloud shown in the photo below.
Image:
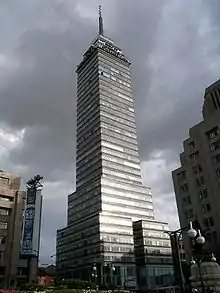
(174, 52)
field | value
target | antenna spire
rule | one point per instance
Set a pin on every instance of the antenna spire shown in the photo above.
(101, 31)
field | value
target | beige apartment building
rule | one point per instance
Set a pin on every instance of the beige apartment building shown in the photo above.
(197, 181)
(12, 201)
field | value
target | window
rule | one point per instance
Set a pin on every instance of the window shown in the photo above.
(3, 225)
(209, 222)
(181, 176)
(189, 213)
(214, 236)
(2, 239)
(184, 187)
(213, 132)
(214, 146)
(218, 173)
(216, 158)
(187, 200)
(203, 194)
(4, 181)
(4, 212)
(208, 207)
(194, 156)
(197, 169)
(192, 145)
(200, 181)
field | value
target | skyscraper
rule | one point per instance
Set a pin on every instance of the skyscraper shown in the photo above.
(196, 182)
(109, 192)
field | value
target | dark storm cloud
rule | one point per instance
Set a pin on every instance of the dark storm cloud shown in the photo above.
(173, 59)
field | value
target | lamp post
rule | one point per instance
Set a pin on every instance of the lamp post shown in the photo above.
(95, 275)
(197, 240)
(112, 267)
(110, 273)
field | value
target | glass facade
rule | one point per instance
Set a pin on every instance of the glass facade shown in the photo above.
(109, 192)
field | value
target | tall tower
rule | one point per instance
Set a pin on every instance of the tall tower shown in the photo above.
(109, 192)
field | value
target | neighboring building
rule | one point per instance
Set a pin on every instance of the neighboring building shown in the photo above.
(46, 276)
(197, 181)
(12, 201)
(152, 253)
(109, 192)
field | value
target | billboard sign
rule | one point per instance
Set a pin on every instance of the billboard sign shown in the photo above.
(31, 228)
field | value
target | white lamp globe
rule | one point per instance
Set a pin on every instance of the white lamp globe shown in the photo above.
(191, 232)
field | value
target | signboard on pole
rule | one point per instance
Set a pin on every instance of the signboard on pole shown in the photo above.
(32, 222)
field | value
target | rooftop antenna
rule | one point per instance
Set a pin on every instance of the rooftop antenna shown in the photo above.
(101, 31)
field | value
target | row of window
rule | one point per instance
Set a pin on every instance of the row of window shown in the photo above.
(139, 189)
(90, 99)
(126, 202)
(123, 96)
(107, 67)
(89, 114)
(90, 76)
(116, 81)
(118, 125)
(86, 224)
(107, 60)
(155, 234)
(124, 161)
(105, 228)
(157, 243)
(140, 200)
(120, 175)
(4, 211)
(6, 198)
(108, 144)
(92, 64)
(92, 116)
(118, 99)
(119, 136)
(91, 86)
(120, 120)
(117, 248)
(123, 92)
(116, 111)
(117, 239)
(121, 167)
(3, 225)
(155, 226)
(118, 130)
(85, 205)
(89, 153)
(129, 210)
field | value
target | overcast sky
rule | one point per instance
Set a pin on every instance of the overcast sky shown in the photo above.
(174, 48)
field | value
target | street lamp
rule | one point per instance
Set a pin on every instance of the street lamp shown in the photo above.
(95, 274)
(110, 273)
(198, 241)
